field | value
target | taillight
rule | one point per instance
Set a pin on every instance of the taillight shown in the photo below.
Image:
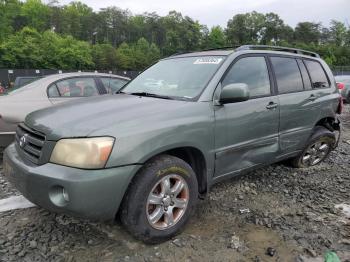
(340, 85)
(340, 106)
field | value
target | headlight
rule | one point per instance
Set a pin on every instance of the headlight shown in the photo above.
(89, 153)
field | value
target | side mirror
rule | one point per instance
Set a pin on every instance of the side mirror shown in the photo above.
(232, 93)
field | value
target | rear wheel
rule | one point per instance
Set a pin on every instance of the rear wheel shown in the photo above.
(160, 199)
(319, 146)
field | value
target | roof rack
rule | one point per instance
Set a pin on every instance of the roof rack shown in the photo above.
(278, 48)
(234, 47)
(208, 49)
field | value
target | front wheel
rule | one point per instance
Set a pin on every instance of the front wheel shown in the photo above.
(160, 199)
(319, 146)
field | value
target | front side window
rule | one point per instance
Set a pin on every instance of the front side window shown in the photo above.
(113, 85)
(317, 74)
(251, 71)
(77, 87)
(287, 75)
(177, 78)
(52, 91)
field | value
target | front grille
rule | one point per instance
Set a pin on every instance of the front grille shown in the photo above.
(30, 142)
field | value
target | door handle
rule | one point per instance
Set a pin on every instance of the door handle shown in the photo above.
(272, 105)
(312, 97)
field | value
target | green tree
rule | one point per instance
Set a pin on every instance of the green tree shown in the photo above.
(182, 33)
(140, 53)
(347, 38)
(112, 25)
(73, 54)
(307, 32)
(216, 38)
(22, 50)
(338, 33)
(9, 10)
(144, 38)
(125, 57)
(77, 20)
(30, 49)
(104, 56)
(274, 29)
(145, 54)
(137, 56)
(245, 28)
(153, 54)
(36, 14)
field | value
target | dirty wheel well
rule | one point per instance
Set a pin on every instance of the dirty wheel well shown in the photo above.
(326, 122)
(196, 160)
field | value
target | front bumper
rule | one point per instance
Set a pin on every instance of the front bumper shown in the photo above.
(93, 194)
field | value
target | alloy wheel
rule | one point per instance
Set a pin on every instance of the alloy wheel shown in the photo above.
(167, 202)
(315, 153)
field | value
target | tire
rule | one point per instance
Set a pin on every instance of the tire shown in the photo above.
(317, 149)
(139, 215)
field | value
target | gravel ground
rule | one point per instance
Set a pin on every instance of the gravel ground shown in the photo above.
(273, 214)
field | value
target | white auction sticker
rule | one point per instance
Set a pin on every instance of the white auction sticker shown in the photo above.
(207, 60)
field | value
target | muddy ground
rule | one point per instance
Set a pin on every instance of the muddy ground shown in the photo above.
(273, 214)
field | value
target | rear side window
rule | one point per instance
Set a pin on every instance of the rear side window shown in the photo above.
(305, 75)
(253, 72)
(317, 74)
(287, 75)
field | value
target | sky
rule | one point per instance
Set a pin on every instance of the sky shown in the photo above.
(218, 12)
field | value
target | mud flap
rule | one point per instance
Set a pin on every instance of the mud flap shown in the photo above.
(336, 126)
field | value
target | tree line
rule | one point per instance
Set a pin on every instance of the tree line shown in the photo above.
(74, 36)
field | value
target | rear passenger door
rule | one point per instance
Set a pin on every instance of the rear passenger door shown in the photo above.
(246, 133)
(299, 108)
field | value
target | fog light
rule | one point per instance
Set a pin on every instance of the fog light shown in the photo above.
(65, 194)
(59, 196)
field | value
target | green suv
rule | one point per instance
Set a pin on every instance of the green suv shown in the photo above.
(148, 153)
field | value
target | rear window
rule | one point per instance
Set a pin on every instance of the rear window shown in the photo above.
(287, 75)
(317, 74)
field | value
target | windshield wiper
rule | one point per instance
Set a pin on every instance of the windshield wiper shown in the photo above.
(150, 95)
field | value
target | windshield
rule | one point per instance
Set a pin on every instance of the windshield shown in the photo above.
(176, 77)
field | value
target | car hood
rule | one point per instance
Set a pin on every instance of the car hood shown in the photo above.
(99, 115)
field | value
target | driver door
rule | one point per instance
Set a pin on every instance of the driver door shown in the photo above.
(246, 133)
